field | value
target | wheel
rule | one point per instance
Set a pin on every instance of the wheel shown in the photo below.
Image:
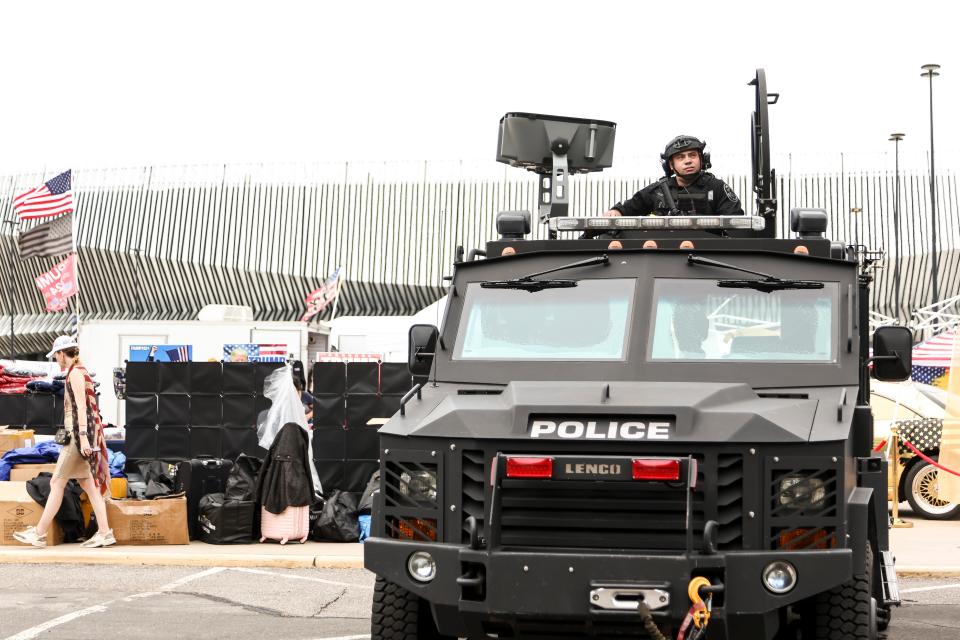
(923, 492)
(847, 612)
(400, 615)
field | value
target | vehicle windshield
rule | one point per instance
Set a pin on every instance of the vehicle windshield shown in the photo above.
(586, 322)
(697, 320)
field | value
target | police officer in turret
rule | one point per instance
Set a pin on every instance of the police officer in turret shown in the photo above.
(688, 189)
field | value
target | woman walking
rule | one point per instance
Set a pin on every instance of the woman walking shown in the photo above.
(84, 458)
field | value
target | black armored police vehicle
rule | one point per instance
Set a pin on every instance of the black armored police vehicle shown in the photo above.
(653, 427)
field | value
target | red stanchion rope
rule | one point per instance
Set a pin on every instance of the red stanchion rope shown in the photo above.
(880, 446)
(923, 457)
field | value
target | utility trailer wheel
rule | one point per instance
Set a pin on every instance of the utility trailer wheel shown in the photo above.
(922, 491)
(848, 612)
(397, 614)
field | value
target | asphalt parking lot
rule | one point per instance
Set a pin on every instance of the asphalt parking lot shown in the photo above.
(81, 602)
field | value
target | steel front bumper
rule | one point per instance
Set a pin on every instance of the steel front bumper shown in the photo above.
(544, 584)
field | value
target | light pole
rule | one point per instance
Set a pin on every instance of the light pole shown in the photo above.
(896, 138)
(930, 70)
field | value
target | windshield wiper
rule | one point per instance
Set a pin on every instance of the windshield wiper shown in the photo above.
(767, 284)
(527, 282)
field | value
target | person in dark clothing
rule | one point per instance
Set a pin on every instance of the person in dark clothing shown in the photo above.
(688, 188)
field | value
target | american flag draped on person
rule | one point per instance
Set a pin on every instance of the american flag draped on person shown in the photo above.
(53, 197)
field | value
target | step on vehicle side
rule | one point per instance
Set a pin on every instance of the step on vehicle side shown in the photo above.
(635, 442)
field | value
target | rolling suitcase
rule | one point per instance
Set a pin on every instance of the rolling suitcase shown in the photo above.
(198, 478)
(292, 524)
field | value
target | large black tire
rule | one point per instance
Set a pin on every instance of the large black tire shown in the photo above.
(848, 612)
(920, 487)
(397, 614)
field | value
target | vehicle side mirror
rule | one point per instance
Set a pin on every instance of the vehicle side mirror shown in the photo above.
(422, 344)
(892, 353)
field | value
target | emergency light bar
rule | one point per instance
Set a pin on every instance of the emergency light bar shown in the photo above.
(662, 223)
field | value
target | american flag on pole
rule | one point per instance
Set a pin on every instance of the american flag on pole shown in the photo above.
(318, 299)
(932, 359)
(53, 197)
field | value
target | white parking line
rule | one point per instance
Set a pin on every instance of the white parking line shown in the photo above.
(33, 632)
(346, 638)
(190, 578)
(295, 577)
(937, 588)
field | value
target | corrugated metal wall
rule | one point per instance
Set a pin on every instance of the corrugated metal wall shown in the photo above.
(161, 243)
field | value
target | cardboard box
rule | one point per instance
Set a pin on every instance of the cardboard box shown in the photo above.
(118, 491)
(18, 511)
(15, 439)
(142, 522)
(24, 472)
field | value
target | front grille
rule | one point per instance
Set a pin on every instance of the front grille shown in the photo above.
(610, 515)
(618, 515)
(472, 487)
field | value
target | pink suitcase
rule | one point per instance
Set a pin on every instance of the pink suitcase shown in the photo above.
(292, 524)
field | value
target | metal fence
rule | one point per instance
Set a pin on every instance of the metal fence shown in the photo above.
(169, 240)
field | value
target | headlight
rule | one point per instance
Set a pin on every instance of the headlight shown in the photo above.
(780, 577)
(802, 492)
(419, 485)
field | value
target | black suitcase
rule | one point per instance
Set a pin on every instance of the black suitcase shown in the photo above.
(224, 521)
(198, 478)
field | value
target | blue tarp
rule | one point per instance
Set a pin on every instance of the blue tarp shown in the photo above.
(46, 452)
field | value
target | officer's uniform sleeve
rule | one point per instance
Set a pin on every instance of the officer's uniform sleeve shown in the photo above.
(640, 204)
(728, 204)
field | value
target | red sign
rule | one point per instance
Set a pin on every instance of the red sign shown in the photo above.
(58, 284)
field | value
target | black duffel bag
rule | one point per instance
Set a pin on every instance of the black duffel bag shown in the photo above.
(337, 521)
(225, 521)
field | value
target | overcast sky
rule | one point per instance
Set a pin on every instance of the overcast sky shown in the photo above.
(115, 84)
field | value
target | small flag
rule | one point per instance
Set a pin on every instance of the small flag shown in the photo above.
(47, 240)
(318, 299)
(178, 354)
(59, 284)
(52, 198)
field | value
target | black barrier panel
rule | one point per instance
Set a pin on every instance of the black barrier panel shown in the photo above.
(174, 377)
(331, 473)
(329, 378)
(357, 474)
(238, 377)
(141, 443)
(173, 443)
(58, 411)
(206, 411)
(363, 377)
(390, 404)
(39, 411)
(261, 371)
(206, 378)
(204, 442)
(142, 377)
(329, 410)
(361, 409)
(13, 410)
(173, 410)
(395, 378)
(233, 442)
(239, 411)
(363, 443)
(329, 442)
(141, 410)
(261, 404)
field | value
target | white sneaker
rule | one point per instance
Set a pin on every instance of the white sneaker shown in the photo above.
(30, 536)
(100, 540)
